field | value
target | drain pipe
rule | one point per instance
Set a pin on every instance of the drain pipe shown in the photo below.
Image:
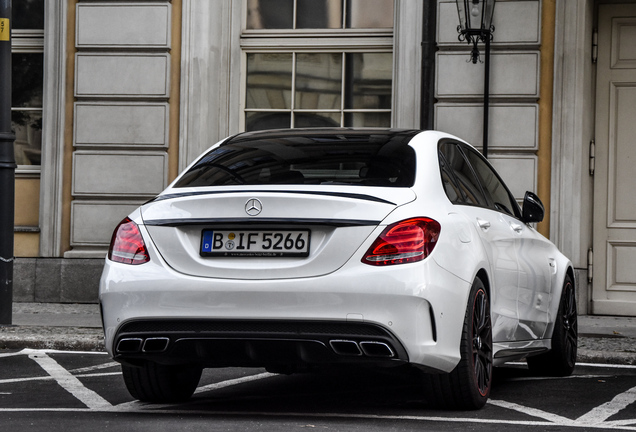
(429, 49)
(7, 168)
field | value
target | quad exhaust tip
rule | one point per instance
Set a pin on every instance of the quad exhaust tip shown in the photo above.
(376, 349)
(149, 345)
(367, 348)
(345, 347)
(339, 346)
(156, 344)
(130, 345)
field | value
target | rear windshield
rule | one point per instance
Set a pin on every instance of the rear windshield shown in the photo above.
(338, 157)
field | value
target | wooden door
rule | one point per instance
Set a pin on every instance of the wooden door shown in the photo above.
(614, 232)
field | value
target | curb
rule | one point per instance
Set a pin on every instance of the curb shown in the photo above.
(54, 338)
(604, 357)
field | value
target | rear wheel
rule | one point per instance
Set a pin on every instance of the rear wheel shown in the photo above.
(160, 383)
(560, 360)
(468, 385)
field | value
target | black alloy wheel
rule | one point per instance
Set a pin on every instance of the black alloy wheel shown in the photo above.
(467, 387)
(561, 359)
(482, 348)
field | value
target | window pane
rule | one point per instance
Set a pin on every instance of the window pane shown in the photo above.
(27, 127)
(494, 188)
(27, 14)
(451, 187)
(267, 120)
(304, 120)
(27, 80)
(269, 81)
(369, 14)
(270, 14)
(315, 157)
(369, 80)
(368, 119)
(319, 14)
(464, 174)
(318, 81)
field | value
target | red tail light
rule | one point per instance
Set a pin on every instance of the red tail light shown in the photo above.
(408, 241)
(127, 245)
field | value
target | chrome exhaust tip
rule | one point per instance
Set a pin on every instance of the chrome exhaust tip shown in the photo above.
(155, 345)
(345, 347)
(376, 349)
(129, 345)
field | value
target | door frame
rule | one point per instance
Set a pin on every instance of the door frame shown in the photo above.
(572, 132)
(608, 233)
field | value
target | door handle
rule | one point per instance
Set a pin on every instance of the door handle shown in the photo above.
(483, 224)
(516, 227)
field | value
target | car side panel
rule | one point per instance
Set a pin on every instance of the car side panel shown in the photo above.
(537, 277)
(495, 235)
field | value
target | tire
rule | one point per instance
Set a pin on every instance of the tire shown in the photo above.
(467, 387)
(561, 359)
(160, 383)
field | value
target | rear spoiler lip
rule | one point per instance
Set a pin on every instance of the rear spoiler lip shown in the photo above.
(253, 192)
(233, 222)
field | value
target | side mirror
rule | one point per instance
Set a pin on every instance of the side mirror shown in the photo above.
(533, 210)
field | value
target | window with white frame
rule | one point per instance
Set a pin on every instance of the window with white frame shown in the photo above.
(27, 58)
(318, 63)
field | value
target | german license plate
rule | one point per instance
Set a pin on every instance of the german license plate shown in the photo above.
(252, 243)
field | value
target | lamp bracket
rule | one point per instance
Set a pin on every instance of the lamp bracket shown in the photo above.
(474, 37)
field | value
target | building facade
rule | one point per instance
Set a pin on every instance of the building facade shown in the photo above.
(112, 99)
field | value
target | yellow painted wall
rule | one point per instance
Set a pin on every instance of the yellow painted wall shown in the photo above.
(26, 245)
(27, 212)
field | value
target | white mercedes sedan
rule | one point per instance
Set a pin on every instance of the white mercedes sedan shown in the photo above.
(306, 249)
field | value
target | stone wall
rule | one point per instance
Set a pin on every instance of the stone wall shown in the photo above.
(56, 280)
(514, 89)
(121, 116)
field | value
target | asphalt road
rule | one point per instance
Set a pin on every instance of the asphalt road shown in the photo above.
(67, 391)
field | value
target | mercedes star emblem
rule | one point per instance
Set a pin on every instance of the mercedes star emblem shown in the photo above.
(253, 207)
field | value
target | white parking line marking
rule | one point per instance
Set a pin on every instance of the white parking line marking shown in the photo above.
(94, 375)
(52, 351)
(608, 409)
(467, 420)
(553, 418)
(609, 366)
(19, 380)
(622, 422)
(49, 377)
(596, 418)
(616, 425)
(96, 367)
(556, 378)
(69, 382)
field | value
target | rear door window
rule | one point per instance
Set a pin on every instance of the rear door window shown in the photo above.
(466, 183)
(498, 195)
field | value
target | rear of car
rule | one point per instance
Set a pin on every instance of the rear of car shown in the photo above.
(288, 250)
(273, 250)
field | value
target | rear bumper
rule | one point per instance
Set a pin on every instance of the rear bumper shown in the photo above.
(254, 343)
(410, 313)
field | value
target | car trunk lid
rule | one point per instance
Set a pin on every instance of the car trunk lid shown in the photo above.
(334, 222)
